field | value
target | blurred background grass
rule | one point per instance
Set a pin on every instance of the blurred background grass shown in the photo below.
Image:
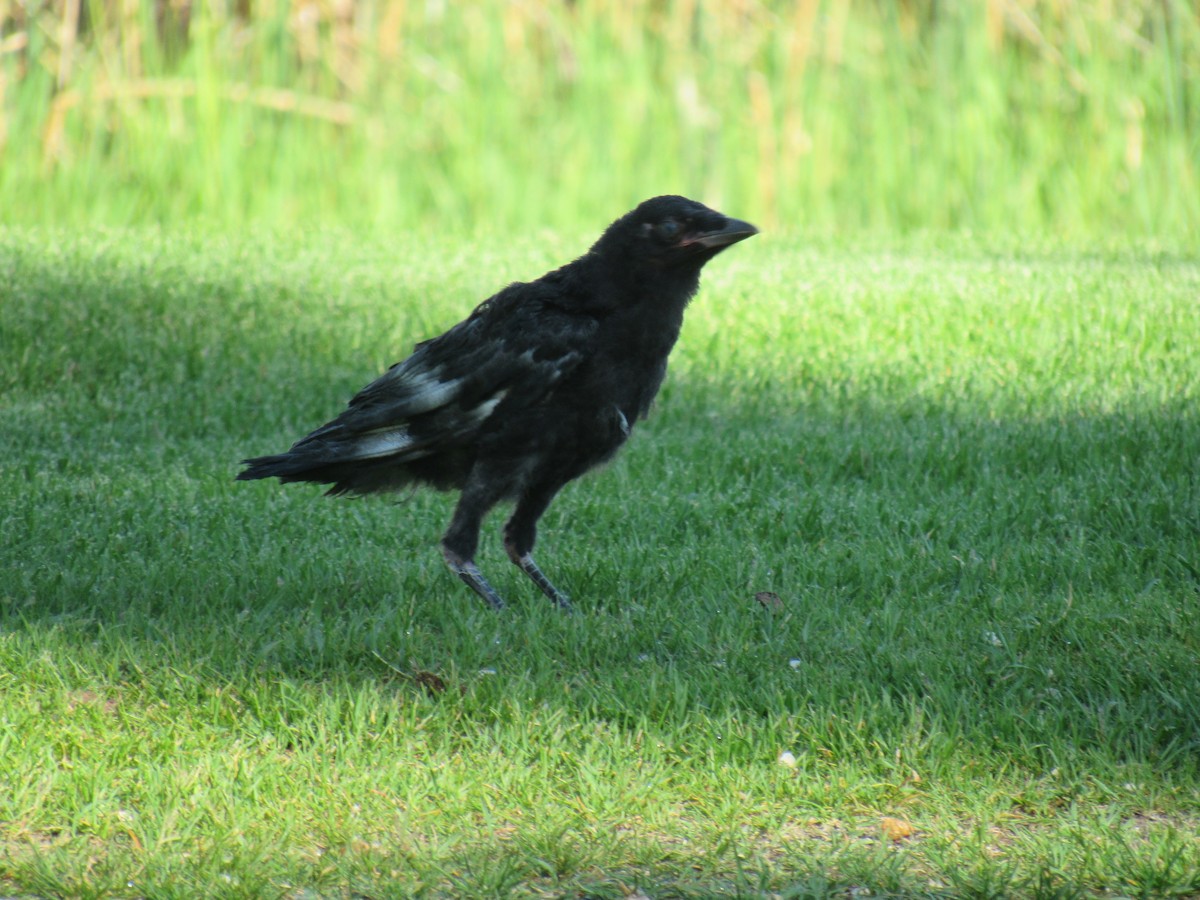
(1019, 115)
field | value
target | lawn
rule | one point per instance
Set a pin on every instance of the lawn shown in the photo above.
(895, 593)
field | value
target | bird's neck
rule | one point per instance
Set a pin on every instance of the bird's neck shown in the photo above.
(661, 291)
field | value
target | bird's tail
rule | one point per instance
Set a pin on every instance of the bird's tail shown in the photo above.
(352, 463)
(285, 466)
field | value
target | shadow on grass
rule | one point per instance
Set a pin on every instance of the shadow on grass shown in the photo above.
(919, 554)
(923, 551)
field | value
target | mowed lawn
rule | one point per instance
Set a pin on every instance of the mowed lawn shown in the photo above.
(897, 592)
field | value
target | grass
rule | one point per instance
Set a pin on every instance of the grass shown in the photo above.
(1077, 118)
(966, 468)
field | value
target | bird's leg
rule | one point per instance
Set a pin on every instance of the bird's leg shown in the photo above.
(462, 538)
(520, 532)
(472, 577)
(530, 568)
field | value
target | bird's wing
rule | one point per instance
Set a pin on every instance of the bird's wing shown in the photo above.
(518, 343)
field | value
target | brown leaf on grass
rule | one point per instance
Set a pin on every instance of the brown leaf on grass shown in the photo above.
(434, 684)
(76, 699)
(770, 600)
(896, 829)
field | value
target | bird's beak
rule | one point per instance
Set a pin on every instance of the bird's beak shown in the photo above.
(731, 232)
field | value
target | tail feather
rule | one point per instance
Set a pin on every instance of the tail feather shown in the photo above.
(347, 477)
(352, 464)
(435, 449)
(329, 446)
(285, 466)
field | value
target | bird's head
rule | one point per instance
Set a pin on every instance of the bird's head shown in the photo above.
(671, 232)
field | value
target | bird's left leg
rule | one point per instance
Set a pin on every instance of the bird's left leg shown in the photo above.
(520, 533)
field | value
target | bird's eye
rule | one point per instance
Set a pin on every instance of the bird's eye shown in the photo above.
(669, 229)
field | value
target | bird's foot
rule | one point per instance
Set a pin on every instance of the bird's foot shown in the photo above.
(473, 578)
(530, 568)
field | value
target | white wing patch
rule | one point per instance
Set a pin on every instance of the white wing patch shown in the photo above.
(624, 422)
(390, 441)
(381, 443)
(484, 409)
(427, 392)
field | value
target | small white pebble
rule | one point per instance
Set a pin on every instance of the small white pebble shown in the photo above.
(795, 663)
(992, 638)
(487, 671)
(787, 758)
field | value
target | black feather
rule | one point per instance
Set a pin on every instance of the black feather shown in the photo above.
(540, 383)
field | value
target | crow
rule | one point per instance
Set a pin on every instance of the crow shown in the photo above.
(542, 382)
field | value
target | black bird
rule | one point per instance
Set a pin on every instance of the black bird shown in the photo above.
(540, 383)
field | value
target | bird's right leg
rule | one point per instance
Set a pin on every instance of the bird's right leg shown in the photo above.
(520, 533)
(462, 537)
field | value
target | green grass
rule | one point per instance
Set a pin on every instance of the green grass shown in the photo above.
(968, 469)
